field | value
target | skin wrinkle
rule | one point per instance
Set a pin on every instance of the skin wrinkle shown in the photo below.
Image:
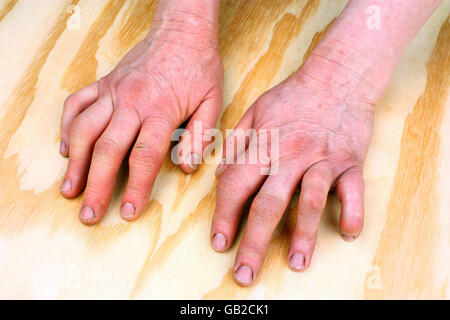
(140, 89)
(227, 282)
(338, 80)
(47, 208)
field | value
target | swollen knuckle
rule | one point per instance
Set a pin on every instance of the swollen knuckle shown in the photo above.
(312, 201)
(106, 145)
(307, 235)
(317, 175)
(352, 196)
(132, 86)
(229, 182)
(97, 194)
(76, 127)
(95, 191)
(228, 204)
(251, 250)
(224, 216)
(266, 208)
(267, 202)
(79, 127)
(70, 101)
(143, 154)
(158, 139)
(132, 93)
(140, 187)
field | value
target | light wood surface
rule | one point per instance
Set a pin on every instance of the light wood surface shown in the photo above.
(49, 48)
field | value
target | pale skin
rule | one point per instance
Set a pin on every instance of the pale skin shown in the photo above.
(324, 113)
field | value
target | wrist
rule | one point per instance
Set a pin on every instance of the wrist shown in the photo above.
(193, 22)
(358, 55)
(345, 72)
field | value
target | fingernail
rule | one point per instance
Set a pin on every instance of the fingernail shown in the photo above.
(297, 261)
(127, 210)
(244, 274)
(86, 213)
(219, 242)
(62, 148)
(348, 238)
(193, 161)
(221, 166)
(66, 186)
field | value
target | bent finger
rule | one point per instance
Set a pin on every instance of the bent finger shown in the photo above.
(196, 138)
(350, 191)
(235, 186)
(75, 104)
(237, 142)
(315, 187)
(85, 131)
(109, 152)
(266, 211)
(145, 162)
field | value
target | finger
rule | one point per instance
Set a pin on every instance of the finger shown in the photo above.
(145, 162)
(109, 152)
(237, 142)
(315, 186)
(75, 104)
(350, 191)
(85, 130)
(238, 183)
(266, 211)
(196, 138)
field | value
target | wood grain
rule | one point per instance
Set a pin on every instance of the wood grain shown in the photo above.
(45, 252)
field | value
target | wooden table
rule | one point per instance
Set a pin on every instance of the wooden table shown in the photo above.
(49, 48)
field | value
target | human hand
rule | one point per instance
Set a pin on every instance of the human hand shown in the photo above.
(324, 128)
(323, 115)
(175, 74)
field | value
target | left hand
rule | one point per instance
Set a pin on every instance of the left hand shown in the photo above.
(324, 135)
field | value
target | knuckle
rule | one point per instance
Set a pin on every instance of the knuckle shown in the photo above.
(318, 175)
(252, 250)
(131, 93)
(101, 201)
(312, 201)
(352, 196)
(79, 127)
(233, 185)
(143, 155)
(97, 193)
(159, 139)
(229, 182)
(307, 235)
(70, 101)
(106, 146)
(224, 215)
(140, 187)
(132, 86)
(266, 209)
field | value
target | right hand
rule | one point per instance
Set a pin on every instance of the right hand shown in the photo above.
(174, 74)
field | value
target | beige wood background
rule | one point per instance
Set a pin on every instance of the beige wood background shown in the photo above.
(49, 48)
